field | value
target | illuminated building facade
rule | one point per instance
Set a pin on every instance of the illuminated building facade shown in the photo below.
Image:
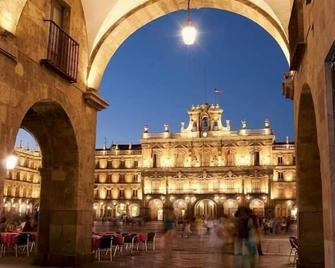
(22, 185)
(207, 169)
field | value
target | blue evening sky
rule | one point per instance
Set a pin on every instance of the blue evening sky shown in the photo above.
(153, 78)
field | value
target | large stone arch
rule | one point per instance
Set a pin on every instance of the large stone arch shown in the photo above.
(48, 122)
(10, 12)
(113, 32)
(309, 185)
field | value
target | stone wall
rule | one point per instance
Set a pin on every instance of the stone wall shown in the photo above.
(62, 117)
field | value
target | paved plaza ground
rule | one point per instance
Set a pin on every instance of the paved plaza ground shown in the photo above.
(205, 251)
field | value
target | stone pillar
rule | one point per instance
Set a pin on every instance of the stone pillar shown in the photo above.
(309, 187)
(64, 229)
(2, 180)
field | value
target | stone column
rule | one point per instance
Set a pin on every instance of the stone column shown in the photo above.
(64, 229)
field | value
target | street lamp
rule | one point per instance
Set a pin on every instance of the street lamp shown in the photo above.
(11, 162)
(189, 31)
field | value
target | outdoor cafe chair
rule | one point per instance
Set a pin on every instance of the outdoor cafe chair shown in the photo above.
(22, 242)
(118, 243)
(105, 246)
(128, 240)
(135, 240)
(151, 238)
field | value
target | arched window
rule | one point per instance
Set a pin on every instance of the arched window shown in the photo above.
(204, 124)
(194, 126)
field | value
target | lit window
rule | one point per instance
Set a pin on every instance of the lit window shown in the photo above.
(280, 176)
(135, 193)
(280, 160)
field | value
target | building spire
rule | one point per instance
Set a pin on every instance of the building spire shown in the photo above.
(105, 143)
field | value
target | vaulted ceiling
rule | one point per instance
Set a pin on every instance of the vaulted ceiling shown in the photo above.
(111, 22)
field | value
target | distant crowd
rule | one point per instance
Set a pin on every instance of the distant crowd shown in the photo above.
(18, 224)
(240, 233)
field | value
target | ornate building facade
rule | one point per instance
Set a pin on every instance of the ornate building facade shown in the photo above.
(207, 169)
(23, 184)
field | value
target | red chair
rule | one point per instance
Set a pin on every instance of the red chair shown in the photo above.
(118, 243)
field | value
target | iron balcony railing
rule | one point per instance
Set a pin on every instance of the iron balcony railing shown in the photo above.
(63, 53)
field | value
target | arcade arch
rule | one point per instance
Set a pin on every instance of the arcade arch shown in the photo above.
(49, 123)
(134, 210)
(309, 184)
(117, 28)
(257, 206)
(230, 206)
(156, 209)
(205, 208)
(180, 208)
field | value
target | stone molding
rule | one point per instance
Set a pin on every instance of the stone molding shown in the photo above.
(8, 45)
(93, 100)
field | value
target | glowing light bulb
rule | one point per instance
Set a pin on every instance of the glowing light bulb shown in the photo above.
(11, 162)
(189, 34)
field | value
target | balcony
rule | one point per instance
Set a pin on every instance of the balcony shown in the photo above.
(62, 54)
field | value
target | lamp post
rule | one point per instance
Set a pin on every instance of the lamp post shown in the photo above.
(189, 32)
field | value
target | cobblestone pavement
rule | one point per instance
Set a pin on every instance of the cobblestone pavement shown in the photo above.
(205, 251)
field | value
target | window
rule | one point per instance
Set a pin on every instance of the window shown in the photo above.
(280, 176)
(135, 178)
(135, 164)
(256, 158)
(280, 160)
(135, 193)
(122, 164)
(60, 14)
(216, 125)
(194, 126)
(122, 179)
(293, 160)
(154, 161)
(204, 124)
(121, 193)
(109, 194)
(109, 164)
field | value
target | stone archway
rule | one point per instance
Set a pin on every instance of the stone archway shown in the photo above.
(59, 210)
(257, 206)
(121, 209)
(205, 208)
(156, 209)
(116, 28)
(309, 186)
(230, 207)
(180, 208)
(134, 210)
